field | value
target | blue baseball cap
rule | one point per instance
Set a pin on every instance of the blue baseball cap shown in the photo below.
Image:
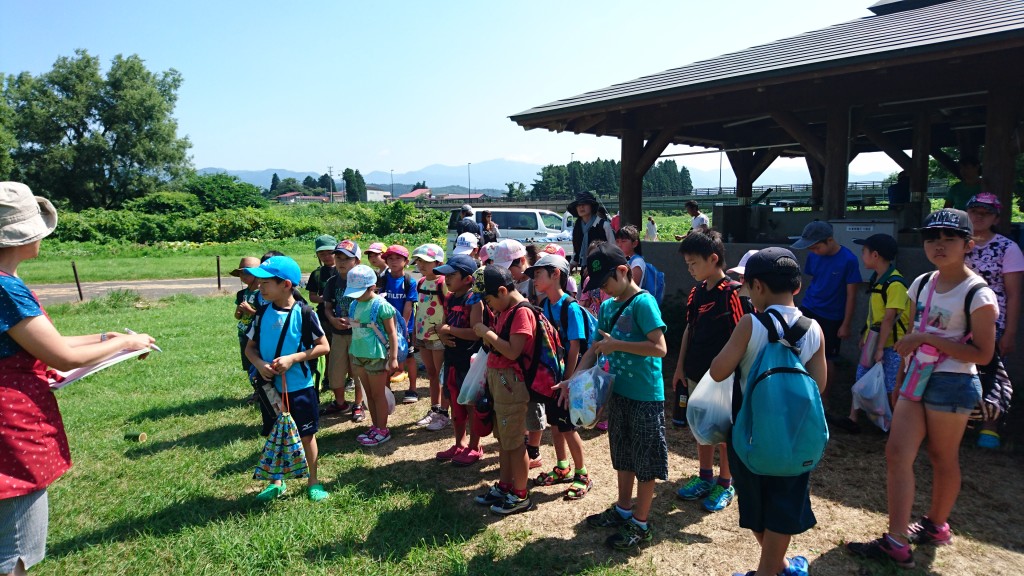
(281, 267)
(458, 263)
(817, 231)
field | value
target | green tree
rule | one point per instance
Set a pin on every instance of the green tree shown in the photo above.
(326, 183)
(360, 184)
(165, 202)
(217, 191)
(275, 182)
(7, 140)
(309, 183)
(289, 185)
(685, 182)
(552, 182)
(95, 140)
(516, 191)
(575, 177)
(351, 192)
(420, 185)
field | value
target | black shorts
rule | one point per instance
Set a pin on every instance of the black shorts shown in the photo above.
(243, 341)
(830, 328)
(636, 435)
(781, 504)
(558, 416)
(305, 410)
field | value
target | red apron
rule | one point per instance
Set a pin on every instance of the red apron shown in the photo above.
(34, 449)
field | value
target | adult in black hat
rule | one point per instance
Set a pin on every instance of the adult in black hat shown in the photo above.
(592, 223)
(467, 223)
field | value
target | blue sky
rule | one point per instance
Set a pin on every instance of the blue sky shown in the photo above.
(397, 85)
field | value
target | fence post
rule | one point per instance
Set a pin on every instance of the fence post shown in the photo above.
(77, 283)
(218, 274)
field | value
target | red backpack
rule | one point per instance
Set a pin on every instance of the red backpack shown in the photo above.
(546, 367)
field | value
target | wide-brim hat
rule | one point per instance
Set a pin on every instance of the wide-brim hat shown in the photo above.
(582, 198)
(24, 217)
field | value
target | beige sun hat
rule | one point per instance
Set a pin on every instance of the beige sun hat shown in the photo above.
(24, 218)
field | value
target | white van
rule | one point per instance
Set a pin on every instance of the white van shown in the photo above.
(524, 224)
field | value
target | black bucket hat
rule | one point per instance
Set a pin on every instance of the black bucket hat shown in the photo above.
(582, 198)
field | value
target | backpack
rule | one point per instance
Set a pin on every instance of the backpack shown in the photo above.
(305, 339)
(589, 323)
(547, 367)
(400, 327)
(884, 291)
(780, 429)
(654, 280)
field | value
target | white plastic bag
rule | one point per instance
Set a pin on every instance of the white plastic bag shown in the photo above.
(709, 410)
(476, 379)
(870, 396)
(589, 391)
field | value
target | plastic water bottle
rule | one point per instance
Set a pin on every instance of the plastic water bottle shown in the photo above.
(920, 370)
(679, 410)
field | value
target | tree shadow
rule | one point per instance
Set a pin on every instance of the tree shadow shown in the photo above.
(194, 408)
(169, 520)
(206, 439)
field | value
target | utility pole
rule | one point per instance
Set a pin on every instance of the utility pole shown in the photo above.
(330, 187)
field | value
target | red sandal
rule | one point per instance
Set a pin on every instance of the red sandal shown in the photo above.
(556, 476)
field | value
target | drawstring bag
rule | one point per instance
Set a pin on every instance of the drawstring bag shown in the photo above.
(283, 456)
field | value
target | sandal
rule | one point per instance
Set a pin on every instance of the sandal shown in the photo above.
(556, 476)
(581, 484)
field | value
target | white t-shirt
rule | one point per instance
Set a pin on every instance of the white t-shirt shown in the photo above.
(808, 345)
(946, 315)
(635, 261)
(700, 220)
(652, 231)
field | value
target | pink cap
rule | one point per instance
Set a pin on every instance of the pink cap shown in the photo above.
(378, 247)
(397, 250)
(555, 249)
(508, 251)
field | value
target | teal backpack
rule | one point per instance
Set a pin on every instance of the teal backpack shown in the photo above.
(374, 324)
(780, 429)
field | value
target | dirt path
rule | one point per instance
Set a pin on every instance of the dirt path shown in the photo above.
(151, 289)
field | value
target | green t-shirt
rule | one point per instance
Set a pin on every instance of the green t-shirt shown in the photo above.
(365, 343)
(636, 377)
(960, 193)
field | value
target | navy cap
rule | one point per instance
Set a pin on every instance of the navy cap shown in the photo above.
(949, 219)
(772, 260)
(817, 231)
(884, 244)
(458, 263)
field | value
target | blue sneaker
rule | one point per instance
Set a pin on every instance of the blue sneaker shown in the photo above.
(695, 489)
(797, 567)
(988, 439)
(719, 498)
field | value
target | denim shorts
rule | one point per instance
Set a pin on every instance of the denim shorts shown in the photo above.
(953, 392)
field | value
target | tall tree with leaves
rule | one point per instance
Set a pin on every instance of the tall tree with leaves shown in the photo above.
(326, 183)
(275, 181)
(360, 184)
(420, 185)
(685, 182)
(95, 140)
(351, 192)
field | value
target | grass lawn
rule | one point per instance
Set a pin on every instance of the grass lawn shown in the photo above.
(183, 502)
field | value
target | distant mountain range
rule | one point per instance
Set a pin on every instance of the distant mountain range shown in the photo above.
(489, 177)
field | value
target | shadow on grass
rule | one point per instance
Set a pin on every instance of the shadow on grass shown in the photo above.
(195, 408)
(838, 561)
(207, 439)
(170, 520)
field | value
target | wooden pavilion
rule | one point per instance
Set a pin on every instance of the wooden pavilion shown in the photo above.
(915, 75)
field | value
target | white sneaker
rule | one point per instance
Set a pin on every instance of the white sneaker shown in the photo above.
(426, 420)
(440, 422)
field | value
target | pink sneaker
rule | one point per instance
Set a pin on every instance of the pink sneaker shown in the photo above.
(448, 454)
(468, 457)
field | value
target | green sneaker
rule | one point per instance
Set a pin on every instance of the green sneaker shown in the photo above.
(719, 498)
(610, 518)
(629, 536)
(271, 492)
(695, 489)
(317, 493)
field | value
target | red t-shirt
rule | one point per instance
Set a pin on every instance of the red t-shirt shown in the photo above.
(522, 323)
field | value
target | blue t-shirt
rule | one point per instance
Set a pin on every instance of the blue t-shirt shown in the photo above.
(826, 295)
(16, 304)
(398, 291)
(575, 329)
(266, 331)
(636, 377)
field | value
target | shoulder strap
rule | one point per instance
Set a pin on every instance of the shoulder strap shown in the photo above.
(615, 317)
(968, 299)
(284, 330)
(790, 334)
(925, 278)
(506, 330)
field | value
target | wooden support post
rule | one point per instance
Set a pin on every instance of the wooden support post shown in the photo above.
(817, 172)
(631, 185)
(1000, 146)
(885, 144)
(919, 167)
(945, 160)
(804, 135)
(742, 162)
(837, 161)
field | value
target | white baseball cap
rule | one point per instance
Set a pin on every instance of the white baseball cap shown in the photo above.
(742, 266)
(506, 252)
(466, 243)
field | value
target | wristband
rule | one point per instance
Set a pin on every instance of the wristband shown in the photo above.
(104, 337)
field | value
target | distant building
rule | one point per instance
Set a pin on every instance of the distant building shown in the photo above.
(463, 197)
(421, 194)
(287, 198)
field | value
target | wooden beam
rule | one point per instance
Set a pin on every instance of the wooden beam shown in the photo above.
(817, 172)
(837, 161)
(919, 167)
(804, 135)
(631, 183)
(944, 159)
(655, 146)
(762, 160)
(585, 123)
(1000, 147)
(887, 145)
(742, 162)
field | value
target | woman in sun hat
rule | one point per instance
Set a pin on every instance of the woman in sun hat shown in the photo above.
(34, 449)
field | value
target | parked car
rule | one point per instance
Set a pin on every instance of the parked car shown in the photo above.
(524, 224)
